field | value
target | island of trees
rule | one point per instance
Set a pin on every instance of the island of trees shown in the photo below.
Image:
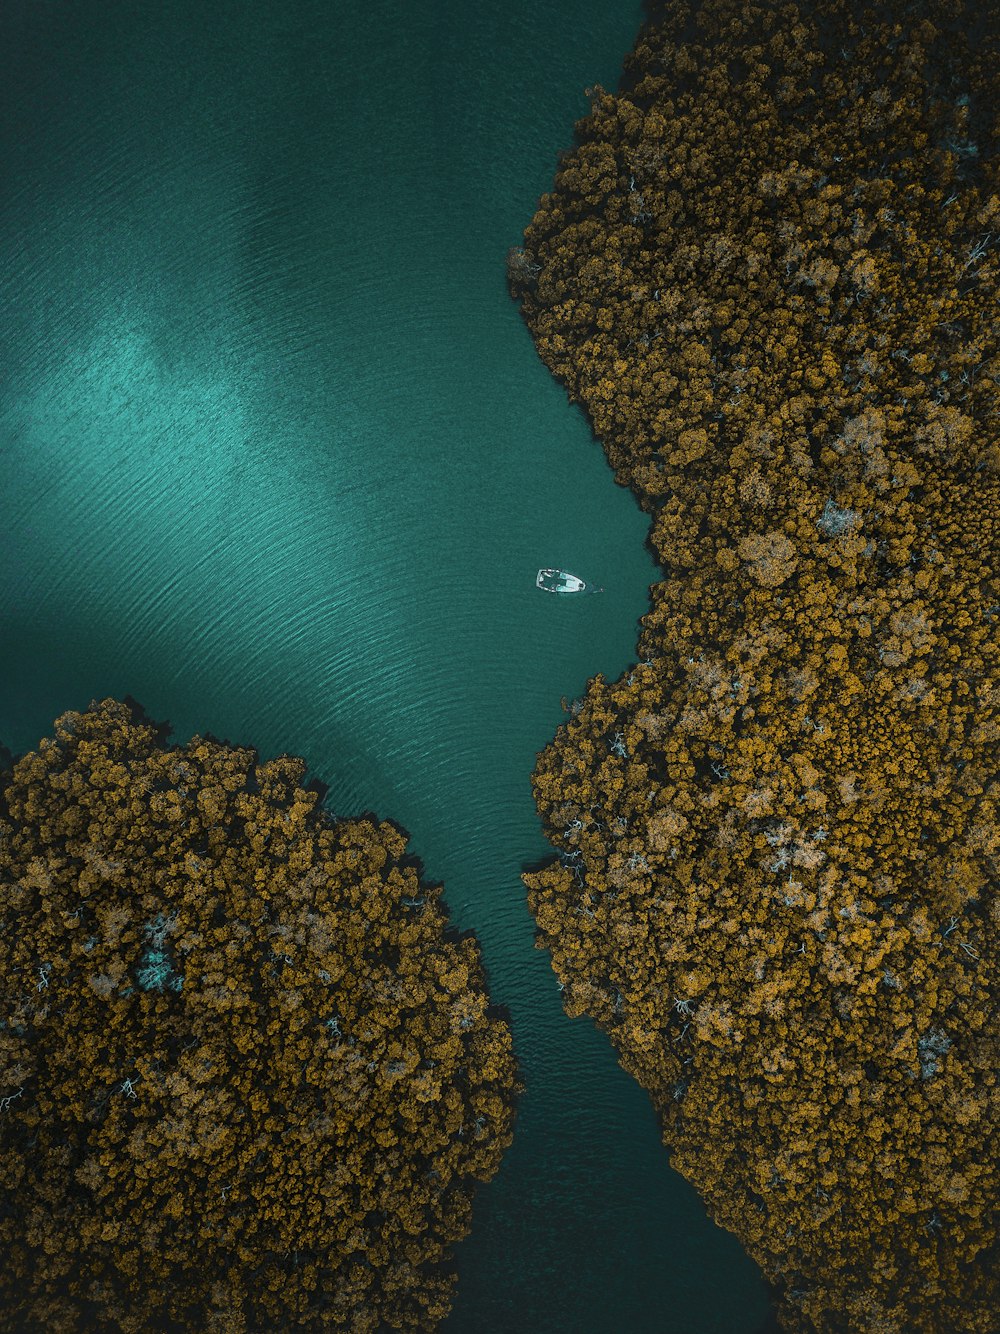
(248, 1076)
(768, 270)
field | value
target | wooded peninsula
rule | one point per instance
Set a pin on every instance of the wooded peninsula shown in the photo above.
(248, 1076)
(768, 270)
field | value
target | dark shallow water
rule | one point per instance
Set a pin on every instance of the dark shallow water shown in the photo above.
(279, 459)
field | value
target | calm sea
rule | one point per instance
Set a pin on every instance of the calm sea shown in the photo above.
(278, 458)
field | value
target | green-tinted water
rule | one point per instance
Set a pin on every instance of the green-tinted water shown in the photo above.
(279, 460)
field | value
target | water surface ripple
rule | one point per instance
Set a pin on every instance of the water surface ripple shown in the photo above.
(279, 459)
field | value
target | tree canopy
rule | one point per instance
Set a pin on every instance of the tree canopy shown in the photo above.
(248, 1077)
(769, 272)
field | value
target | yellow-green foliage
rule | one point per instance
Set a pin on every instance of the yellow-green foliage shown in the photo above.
(769, 271)
(246, 1078)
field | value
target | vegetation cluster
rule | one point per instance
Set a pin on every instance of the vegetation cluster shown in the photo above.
(769, 272)
(247, 1075)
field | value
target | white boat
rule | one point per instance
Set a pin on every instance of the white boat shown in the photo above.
(559, 581)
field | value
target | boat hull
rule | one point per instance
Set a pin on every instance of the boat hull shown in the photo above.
(559, 581)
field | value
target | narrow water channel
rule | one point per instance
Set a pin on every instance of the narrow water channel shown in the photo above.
(279, 459)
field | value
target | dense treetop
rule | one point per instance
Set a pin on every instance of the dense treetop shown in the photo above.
(247, 1077)
(769, 271)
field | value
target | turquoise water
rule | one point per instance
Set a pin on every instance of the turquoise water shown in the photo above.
(279, 459)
